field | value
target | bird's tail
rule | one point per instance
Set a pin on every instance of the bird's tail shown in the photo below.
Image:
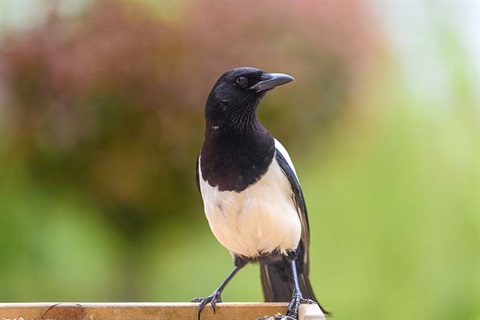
(277, 283)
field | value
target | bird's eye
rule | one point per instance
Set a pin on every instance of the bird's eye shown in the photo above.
(242, 81)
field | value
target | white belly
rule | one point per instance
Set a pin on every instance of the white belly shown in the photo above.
(258, 220)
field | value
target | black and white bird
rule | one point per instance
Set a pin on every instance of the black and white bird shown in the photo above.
(251, 193)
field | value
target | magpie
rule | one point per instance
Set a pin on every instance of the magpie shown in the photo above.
(250, 190)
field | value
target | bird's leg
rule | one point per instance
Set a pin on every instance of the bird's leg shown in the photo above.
(297, 297)
(216, 295)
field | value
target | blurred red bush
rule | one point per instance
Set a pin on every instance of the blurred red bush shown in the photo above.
(110, 103)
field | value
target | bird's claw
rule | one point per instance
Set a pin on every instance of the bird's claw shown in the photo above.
(292, 309)
(213, 299)
(277, 317)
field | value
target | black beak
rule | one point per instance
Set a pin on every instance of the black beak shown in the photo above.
(271, 81)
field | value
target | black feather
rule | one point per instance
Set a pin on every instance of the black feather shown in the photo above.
(197, 178)
(276, 276)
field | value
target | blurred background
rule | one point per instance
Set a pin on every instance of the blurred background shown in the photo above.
(102, 120)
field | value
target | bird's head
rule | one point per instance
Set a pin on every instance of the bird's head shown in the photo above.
(236, 94)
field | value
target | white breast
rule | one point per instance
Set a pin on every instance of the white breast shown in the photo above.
(258, 220)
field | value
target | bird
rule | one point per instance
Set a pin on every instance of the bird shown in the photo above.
(251, 193)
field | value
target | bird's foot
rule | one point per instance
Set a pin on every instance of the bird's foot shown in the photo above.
(213, 299)
(292, 309)
(277, 317)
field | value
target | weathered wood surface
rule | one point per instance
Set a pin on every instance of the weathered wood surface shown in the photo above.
(148, 311)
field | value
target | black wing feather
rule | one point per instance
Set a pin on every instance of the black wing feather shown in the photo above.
(197, 177)
(277, 280)
(276, 277)
(300, 203)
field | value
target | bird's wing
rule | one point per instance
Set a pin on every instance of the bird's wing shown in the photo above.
(286, 164)
(197, 177)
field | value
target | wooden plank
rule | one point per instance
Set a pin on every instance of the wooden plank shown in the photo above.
(148, 311)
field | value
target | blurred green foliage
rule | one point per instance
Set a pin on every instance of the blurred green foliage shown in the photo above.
(102, 121)
(107, 106)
